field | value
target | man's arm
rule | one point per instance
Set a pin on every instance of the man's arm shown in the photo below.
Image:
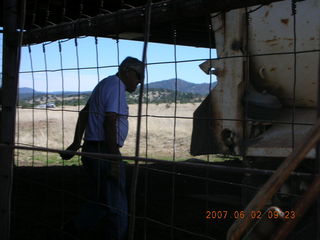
(81, 125)
(78, 134)
(110, 129)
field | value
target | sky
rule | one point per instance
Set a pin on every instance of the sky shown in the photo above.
(70, 79)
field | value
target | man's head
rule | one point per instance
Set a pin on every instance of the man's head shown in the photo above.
(131, 72)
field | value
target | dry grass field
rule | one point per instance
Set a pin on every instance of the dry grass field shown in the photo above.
(54, 128)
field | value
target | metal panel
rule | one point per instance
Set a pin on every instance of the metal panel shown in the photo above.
(277, 140)
(274, 74)
(226, 97)
(271, 31)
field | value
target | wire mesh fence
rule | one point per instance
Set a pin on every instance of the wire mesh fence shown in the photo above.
(266, 106)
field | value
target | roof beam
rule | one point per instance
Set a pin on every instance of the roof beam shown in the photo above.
(132, 20)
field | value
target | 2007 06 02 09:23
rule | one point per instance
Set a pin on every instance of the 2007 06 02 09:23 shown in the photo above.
(226, 214)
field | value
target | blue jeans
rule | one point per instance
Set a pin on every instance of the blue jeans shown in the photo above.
(110, 198)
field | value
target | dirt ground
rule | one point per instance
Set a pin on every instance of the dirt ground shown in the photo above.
(46, 197)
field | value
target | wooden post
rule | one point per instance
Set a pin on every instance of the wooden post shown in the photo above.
(10, 69)
(317, 167)
(300, 209)
(275, 182)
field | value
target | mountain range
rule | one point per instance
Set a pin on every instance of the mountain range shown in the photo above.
(182, 86)
(170, 84)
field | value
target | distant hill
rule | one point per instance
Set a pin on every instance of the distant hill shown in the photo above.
(182, 86)
(160, 95)
(25, 93)
(68, 93)
(158, 92)
(26, 90)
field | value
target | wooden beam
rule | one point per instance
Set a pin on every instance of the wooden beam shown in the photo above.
(10, 69)
(132, 20)
(317, 165)
(300, 209)
(275, 182)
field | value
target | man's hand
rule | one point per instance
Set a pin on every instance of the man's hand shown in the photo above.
(73, 147)
(80, 127)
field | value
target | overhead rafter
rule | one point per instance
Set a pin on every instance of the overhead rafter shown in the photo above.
(128, 23)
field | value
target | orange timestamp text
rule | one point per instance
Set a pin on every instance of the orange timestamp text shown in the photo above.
(270, 214)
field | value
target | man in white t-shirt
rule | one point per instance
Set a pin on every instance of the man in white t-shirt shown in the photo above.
(104, 120)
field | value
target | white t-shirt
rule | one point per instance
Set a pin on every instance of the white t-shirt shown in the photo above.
(108, 96)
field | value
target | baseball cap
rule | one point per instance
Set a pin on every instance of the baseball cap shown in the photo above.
(131, 63)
